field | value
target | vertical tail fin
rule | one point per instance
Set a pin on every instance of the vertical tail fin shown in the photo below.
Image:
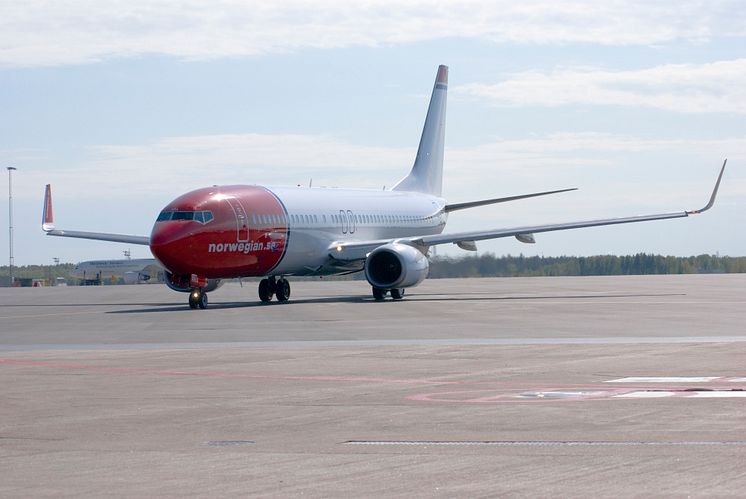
(427, 173)
(47, 218)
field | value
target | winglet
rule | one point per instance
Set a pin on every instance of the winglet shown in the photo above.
(714, 193)
(47, 219)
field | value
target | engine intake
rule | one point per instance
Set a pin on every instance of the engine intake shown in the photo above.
(396, 265)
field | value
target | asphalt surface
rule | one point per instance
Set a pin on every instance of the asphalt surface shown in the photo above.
(595, 386)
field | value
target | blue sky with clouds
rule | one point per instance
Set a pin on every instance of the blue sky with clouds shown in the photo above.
(123, 106)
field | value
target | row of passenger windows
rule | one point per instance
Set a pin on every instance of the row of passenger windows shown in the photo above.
(341, 219)
(202, 217)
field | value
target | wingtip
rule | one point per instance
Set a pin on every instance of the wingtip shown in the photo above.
(714, 194)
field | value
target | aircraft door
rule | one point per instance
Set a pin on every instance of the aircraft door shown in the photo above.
(343, 220)
(242, 221)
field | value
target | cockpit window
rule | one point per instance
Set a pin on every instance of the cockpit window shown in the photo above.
(202, 217)
(183, 215)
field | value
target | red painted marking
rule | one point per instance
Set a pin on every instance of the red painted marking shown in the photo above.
(500, 391)
(168, 372)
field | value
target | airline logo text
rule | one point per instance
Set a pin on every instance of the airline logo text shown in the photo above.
(244, 248)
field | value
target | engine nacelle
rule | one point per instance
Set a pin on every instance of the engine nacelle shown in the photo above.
(182, 283)
(396, 265)
(133, 277)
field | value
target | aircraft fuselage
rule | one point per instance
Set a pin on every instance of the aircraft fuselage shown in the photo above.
(246, 230)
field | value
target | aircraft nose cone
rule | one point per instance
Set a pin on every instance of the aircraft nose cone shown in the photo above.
(168, 244)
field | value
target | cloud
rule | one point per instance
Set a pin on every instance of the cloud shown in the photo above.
(59, 32)
(171, 166)
(174, 165)
(685, 88)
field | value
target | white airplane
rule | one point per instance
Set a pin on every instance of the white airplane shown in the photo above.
(233, 231)
(132, 271)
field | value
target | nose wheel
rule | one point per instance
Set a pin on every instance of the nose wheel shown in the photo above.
(197, 299)
(274, 287)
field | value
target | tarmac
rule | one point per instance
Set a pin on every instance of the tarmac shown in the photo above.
(565, 386)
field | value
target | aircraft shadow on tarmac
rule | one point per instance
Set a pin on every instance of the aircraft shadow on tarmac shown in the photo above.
(414, 298)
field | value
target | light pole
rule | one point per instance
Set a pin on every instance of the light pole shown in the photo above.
(10, 169)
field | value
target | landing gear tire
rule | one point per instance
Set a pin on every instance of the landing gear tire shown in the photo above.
(282, 290)
(197, 299)
(265, 290)
(397, 293)
(379, 294)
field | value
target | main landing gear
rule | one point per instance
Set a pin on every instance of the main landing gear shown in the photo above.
(396, 293)
(274, 287)
(197, 298)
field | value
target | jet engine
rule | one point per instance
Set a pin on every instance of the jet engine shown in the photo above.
(396, 265)
(135, 277)
(182, 284)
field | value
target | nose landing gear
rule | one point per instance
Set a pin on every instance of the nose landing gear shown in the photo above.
(197, 299)
(274, 287)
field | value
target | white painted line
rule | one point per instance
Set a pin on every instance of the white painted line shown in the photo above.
(719, 395)
(645, 395)
(665, 379)
(737, 380)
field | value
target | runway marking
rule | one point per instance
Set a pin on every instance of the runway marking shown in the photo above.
(212, 374)
(726, 393)
(538, 443)
(591, 340)
(34, 316)
(500, 391)
(229, 443)
(556, 395)
(665, 379)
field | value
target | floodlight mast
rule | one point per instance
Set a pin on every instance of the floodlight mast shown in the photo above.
(10, 169)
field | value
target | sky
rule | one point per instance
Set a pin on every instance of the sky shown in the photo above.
(125, 105)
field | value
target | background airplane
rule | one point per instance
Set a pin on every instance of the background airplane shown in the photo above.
(132, 271)
(232, 231)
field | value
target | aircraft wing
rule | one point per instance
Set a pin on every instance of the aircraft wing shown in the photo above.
(47, 225)
(358, 250)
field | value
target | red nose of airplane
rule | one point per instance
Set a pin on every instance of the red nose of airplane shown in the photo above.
(221, 232)
(179, 230)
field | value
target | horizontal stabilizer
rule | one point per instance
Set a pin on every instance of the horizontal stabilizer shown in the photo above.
(484, 202)
(47, 225)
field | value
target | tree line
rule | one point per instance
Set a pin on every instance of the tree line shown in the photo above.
(489, 265)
